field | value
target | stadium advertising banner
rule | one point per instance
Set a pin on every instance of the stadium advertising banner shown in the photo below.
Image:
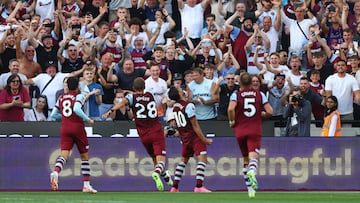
(121, 164)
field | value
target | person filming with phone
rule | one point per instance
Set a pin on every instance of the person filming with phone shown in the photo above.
(297, 112)
(13, 99)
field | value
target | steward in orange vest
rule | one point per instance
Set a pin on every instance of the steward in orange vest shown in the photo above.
(328, 123)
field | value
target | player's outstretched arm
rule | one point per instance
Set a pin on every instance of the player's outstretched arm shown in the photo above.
(117, 106)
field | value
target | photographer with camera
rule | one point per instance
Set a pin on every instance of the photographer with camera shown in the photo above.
(297, 112)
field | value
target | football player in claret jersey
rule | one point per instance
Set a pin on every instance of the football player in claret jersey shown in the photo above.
(192, 137)
(245, 116)
(68, 109)
(149, 128)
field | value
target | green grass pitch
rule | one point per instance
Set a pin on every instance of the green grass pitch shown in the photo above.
(182, 197)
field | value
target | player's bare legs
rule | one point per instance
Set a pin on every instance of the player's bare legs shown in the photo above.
(85, 171)
(200, 173)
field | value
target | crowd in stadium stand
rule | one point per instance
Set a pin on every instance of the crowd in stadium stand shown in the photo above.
(199, 45)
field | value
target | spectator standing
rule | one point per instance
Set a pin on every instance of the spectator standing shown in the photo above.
(299, 30)
(203, 93)
(225, 91)
(7, 51)
(72, 62)
(14, 69)
(258, 39)
(13, 99)
(239, 36)
(192, 18)
(332, 121)
(297, 112)
(164, 21)
(321, 65)
(343, 85)
(126, 76)
(176, 65)
(93, 92)
(108, 86)
(314, 98)
(158, 88)
(50, 82)
(28, 66)
(136, 11)
(46, 52)
(228, 66)
(277, 90)
(137, 52)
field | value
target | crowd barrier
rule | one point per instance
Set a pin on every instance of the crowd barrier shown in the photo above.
(120, 163)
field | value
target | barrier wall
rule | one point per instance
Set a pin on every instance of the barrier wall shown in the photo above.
(121, 164)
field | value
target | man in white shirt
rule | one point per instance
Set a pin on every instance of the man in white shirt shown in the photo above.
(343, 86)
(157, 87)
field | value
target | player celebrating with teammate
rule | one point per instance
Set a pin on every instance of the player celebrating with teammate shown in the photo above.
(149, 128)
(192, 137)
(68, 109)
(245, 116)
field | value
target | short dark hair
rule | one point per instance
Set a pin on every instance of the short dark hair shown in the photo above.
(73, 83)
(173, 93)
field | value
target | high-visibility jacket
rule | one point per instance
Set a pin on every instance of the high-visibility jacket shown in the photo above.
(327, 124)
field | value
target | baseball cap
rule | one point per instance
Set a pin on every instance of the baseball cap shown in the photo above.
(50, 64)
(279, 75)
(249, 16)
(177, 76)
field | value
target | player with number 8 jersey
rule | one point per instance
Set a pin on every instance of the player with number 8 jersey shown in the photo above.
(68, 108)
(149, 128)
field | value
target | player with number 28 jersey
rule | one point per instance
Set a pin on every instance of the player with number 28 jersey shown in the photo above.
(145, 114)
(149, 128)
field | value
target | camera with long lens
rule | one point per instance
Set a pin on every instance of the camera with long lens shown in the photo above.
(170, 130)
(296, 98)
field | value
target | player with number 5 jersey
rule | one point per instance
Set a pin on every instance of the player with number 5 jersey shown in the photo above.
(245, 116)
(192, 137)
(149, 129)
(69, 109)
